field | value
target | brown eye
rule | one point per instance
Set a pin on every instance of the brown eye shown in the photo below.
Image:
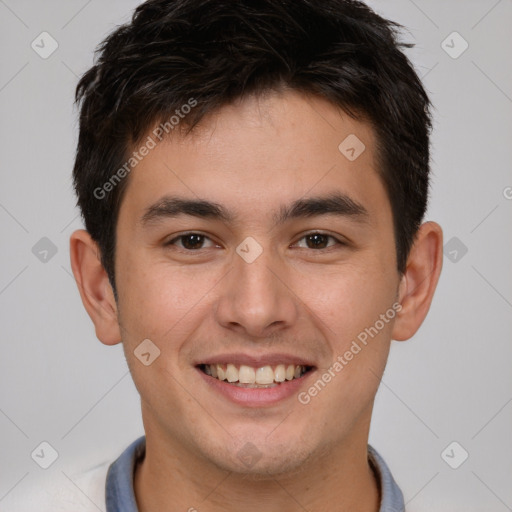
(318, 241)
(190, 241)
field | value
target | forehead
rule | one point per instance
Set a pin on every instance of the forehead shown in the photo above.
(260, 152)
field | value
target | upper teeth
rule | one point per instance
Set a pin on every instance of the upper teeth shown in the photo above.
(249, 375)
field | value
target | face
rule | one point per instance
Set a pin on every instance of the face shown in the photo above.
(255, 251)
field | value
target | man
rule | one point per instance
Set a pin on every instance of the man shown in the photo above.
(253, 178)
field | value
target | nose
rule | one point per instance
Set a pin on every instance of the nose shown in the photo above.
(255, 299)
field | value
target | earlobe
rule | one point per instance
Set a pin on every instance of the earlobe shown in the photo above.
(419, 280)
(94, 287)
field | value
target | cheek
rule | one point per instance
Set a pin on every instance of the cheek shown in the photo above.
(364, 327)
(350, 298)
(160, 301)
(360, 339)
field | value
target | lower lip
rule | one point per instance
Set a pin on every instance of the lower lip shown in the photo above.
(256, 397)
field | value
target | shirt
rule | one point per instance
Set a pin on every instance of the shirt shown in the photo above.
(120, 496)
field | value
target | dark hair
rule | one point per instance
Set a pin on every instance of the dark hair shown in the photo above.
(215, 51)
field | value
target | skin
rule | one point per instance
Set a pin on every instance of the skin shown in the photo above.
(253, 157)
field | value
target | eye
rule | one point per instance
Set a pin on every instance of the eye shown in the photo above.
(319, 241)
(191, 241)
(198, 241)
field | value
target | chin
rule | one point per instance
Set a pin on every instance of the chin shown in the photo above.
(259, 458)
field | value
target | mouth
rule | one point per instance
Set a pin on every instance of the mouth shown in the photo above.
(260, 377)
(255, 381)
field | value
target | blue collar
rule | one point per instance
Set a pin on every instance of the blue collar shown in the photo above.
(120, 496)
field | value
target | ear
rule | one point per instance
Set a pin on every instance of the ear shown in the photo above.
(95, 289)
(419, 280)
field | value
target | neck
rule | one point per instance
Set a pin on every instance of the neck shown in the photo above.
(172, 478)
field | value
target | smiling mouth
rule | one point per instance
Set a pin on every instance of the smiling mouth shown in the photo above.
(250, 377)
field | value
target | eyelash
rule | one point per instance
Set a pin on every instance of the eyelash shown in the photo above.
(184, 235)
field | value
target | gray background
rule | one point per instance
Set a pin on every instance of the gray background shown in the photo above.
(452, 382)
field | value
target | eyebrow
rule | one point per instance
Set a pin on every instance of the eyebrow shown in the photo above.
(332, 204)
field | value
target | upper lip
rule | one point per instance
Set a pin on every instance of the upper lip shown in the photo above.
(255, 361)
